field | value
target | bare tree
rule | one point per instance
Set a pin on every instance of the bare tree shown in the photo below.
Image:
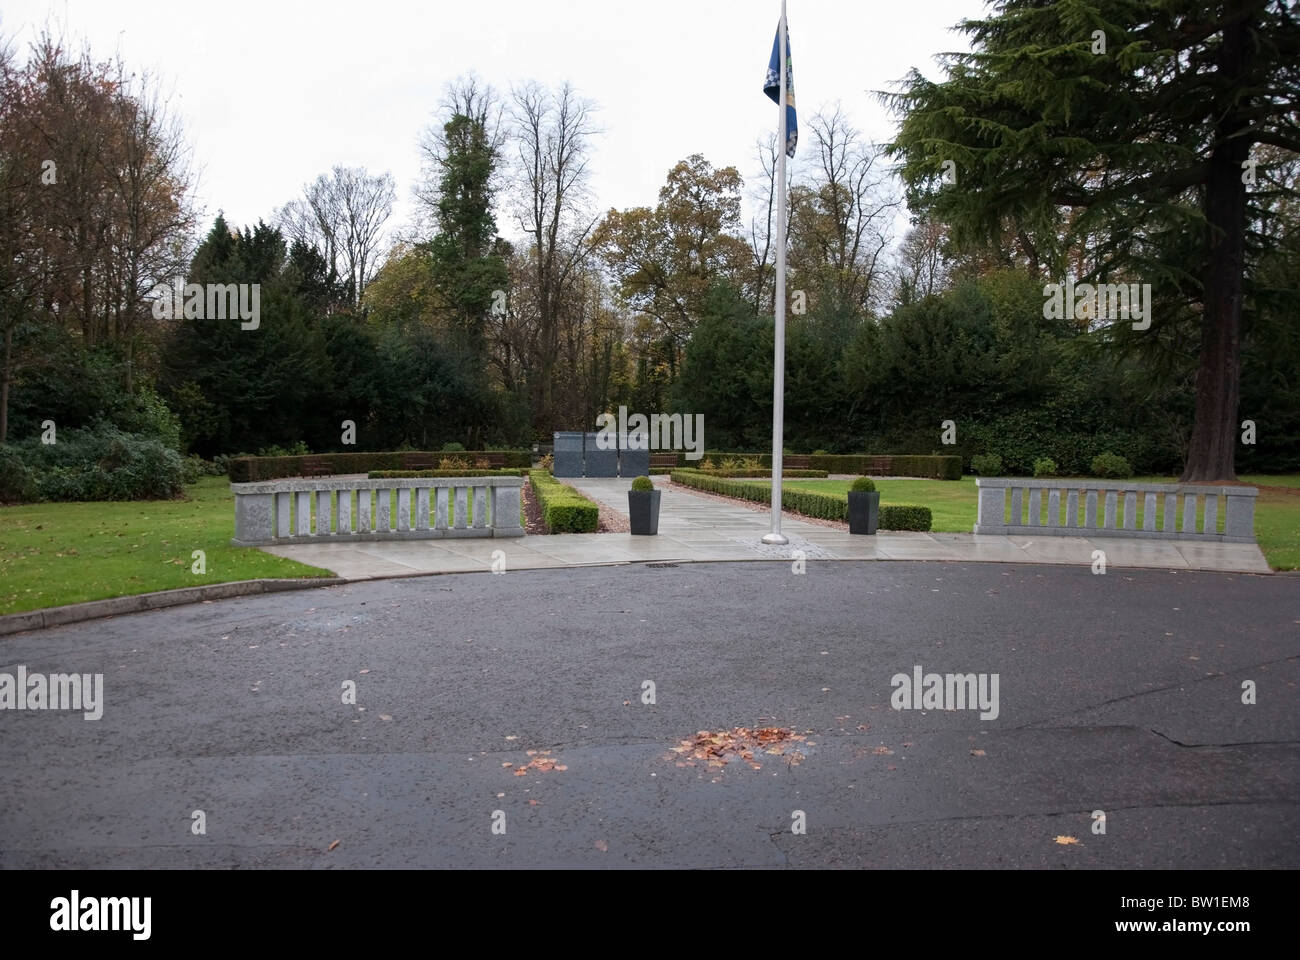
(841, 221)
(920, 267)
(551, 131)
(342, 215)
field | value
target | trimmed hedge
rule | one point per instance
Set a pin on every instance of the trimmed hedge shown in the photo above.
(905, 517)
(931, 467)
(247, 469)
(935, 468)
(819, 505)
(822, 506)
(765, 472)
(408, 474)
(564, 509)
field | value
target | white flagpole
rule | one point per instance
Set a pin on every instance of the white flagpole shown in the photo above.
(778, 377)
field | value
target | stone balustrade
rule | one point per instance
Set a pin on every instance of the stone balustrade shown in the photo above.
(356, 508)
(1092, 508)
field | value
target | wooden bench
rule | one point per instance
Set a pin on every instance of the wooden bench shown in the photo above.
(419, 461)
(796, 461)
(663, 460)
(316, 467)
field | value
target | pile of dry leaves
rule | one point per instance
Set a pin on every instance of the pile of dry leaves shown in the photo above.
(541, 761)
(718, 749)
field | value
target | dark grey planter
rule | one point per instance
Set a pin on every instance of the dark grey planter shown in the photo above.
(643, 511)
(864, 511)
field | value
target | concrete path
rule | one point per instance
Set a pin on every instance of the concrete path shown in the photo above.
(699, 528)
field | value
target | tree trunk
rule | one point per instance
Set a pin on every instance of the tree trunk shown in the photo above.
(1211, 452)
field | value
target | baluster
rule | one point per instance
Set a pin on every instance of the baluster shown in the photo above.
(480, 507)
(345, 513)
(422, 508)
(303, 498)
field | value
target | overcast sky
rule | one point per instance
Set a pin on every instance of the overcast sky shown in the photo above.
(272, 93)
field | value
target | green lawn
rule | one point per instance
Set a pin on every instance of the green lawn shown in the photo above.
(57, 553)
(953, 504)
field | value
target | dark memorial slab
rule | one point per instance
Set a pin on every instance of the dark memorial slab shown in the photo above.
(600, 463)
(634, 462)
(568, 454)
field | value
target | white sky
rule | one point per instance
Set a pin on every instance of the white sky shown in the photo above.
(272, 93)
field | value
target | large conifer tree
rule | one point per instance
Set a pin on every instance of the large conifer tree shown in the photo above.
(1125, 127)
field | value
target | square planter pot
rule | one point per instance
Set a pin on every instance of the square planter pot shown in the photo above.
(643, 511)
(864, 511)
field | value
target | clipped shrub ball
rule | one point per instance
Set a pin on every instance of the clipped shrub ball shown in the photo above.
(986, 464)
(863, 485)
(642, 483)
(1111, 466)
(1045, 467)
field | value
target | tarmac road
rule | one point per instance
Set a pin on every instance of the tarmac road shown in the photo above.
(1120, 693)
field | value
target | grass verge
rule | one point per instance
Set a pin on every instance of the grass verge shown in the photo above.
(57, 553)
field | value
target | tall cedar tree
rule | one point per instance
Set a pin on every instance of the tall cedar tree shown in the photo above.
(1057, 143)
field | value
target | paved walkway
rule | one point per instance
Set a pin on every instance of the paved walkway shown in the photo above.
(698, 528)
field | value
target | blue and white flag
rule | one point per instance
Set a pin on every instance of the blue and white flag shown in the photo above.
(773, 83)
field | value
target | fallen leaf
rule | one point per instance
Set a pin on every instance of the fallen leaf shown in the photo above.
(602, 846)
(385, 717)
(977, 753)
(335, 844)
(1066, 841)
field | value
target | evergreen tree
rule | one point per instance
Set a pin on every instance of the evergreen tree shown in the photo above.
(1125, 123)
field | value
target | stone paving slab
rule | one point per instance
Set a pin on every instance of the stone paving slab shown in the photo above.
(696, 528)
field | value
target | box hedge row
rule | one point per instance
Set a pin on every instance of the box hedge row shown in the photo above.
(905, 517)
(248, 469)
(822, 506)
(411, 474)
(930, 467)
(564, 510)
(765, 472)
(819, 505)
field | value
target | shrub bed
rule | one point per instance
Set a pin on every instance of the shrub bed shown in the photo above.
(247, 469)
(94, 463)
(564, 509)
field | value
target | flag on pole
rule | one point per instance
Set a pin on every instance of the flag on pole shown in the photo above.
(773, 83)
